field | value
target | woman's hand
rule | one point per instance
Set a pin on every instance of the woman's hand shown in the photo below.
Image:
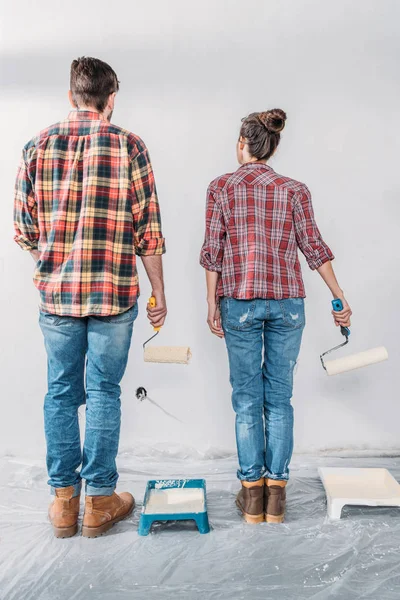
(342, 317)
(214, 319)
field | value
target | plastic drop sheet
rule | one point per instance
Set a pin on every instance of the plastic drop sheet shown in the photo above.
(307, 557)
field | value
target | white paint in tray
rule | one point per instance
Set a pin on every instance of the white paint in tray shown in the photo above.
(358, 486)
(175, 500)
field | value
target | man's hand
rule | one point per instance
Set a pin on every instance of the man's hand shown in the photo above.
(153, 265)
(35, 255)
(157, 314)
(342, 317)
(214, 319)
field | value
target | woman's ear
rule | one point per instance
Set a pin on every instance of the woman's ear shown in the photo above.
(239, 151)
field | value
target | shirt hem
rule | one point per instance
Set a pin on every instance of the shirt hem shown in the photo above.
(266, 296)
(92, 312)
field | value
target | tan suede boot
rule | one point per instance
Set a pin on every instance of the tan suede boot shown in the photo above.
(101, 512)
(250, 500)
(64, 511)
(275, 500)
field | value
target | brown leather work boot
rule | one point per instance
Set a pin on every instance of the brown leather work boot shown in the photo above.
(275, 500)
(250, 500)
(101, 512)
(64, 511)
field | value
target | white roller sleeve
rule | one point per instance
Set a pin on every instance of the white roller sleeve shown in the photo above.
(167, 354)
(355, 361)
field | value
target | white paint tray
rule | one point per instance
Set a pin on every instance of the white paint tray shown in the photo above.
(361, 487)
(174, 500)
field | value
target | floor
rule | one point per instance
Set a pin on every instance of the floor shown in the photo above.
(307, 557)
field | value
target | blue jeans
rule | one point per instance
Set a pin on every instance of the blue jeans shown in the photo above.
(263, 339)
(91, 350)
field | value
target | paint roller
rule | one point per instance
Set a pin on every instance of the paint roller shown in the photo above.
(165, 354)
(354, 361)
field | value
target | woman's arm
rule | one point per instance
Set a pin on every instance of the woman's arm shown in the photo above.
(308, 236)
(328, 275)
(211, 258)
(214, 315)
(317, 253)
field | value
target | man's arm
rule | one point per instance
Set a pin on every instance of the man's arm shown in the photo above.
(35, 255)
(25, 212)
(149, 241)
(154, 270)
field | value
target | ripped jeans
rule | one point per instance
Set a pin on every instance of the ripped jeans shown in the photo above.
(263, 339)
(87, 357)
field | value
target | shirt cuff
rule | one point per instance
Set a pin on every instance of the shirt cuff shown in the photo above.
(317, 261)
(208, 264)
(26, 244)
(151, 247)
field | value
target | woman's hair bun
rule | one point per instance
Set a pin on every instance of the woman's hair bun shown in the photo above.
(273, 120)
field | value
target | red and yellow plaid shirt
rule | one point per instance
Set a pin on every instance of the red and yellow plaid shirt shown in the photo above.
(85, 197)
(255, 222)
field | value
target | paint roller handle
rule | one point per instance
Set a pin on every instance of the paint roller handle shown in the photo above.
(152, 303)
(338, 306)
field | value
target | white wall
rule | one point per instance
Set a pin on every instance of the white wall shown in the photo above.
(189, 72)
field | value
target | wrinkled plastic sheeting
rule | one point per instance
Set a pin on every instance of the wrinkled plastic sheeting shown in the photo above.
(307, 557)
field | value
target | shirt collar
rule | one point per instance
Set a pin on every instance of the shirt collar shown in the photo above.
(253, 165)
(84, 115)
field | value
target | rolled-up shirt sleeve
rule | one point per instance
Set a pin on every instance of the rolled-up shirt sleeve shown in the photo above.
(308, 236)
(212, 252)
(25, 210)
(148, 236)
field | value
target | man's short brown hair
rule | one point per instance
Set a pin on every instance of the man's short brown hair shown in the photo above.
(92, 81)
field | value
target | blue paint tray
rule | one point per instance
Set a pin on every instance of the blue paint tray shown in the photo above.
(174, 500)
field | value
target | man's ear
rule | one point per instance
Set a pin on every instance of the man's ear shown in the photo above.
(71, 100)
(111, 101)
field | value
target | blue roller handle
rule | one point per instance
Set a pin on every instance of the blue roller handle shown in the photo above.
(338, 305)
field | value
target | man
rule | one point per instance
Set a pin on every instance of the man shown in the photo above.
(85, 205)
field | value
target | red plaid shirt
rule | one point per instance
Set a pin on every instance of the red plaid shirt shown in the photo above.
(255, 222)
(85, 197)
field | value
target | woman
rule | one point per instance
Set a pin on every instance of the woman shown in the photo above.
(256, 220)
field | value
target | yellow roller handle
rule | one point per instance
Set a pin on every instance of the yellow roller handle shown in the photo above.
(152, 302)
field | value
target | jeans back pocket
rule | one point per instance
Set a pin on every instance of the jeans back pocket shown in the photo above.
(54, 320)
(237, 314)
(125, 317)
(293, 313)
